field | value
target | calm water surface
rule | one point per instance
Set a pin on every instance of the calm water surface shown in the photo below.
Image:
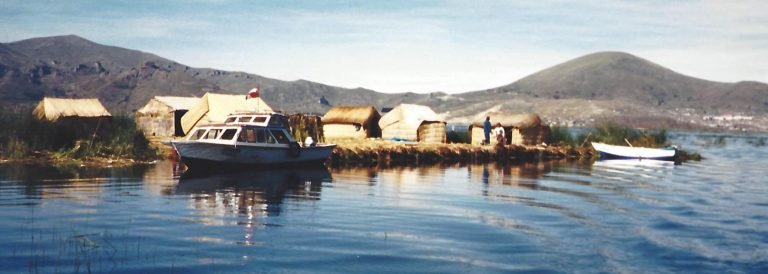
(550, 217)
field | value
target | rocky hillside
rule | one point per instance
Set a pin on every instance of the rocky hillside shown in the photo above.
(599, 86)
(124, 80)
(616, 85)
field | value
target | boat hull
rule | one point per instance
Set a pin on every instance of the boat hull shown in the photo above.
(622, 152)
(200, 155)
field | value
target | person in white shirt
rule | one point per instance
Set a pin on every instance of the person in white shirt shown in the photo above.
(501, 137)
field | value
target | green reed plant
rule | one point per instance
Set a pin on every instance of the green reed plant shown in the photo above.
(306, 125)
(614, 133)
(23, 134)
(561, 136)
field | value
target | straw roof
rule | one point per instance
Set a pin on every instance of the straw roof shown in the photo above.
(214, 107)
(351, 115)
(177, 102)
(509, 119)
(54, 108)
(168, 102)
(412, 115)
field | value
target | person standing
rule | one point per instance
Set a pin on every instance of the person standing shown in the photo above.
(487, 130)
(501, 137)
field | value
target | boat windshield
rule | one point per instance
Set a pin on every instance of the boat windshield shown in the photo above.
(197, 134)
(256, 135)
(228, 134)
(277, 120)
(280, 136)
(212, 133)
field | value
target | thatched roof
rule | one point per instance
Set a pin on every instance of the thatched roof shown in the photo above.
(413, 115)
(54, 108)
(214, 107)
(509, 119)
(176, 102)
(351, 115)
(168, 102)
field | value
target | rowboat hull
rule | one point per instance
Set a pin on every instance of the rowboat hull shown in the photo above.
(623, 152)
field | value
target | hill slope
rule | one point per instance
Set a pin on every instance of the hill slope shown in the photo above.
(604, 85)
(618, 85)
(70, 66)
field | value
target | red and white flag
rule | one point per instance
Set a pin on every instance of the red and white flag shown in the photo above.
(253, 93)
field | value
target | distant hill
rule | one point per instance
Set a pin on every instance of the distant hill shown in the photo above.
(124, 80)
(604, 85)
(617, 85)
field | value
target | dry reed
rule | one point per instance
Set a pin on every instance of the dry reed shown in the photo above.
(382, 152)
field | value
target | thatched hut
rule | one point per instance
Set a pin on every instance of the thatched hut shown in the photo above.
(161, 116)
(53, 109)
(357, 122)
(519, 128)
(409, 122)
(214, 107)
(81, 117)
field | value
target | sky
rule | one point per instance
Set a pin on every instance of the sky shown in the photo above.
(412, 46)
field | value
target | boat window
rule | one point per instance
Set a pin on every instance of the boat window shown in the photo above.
(247, 135)
(244, 119)
(212, 133)
(259, 119)
(230, 119)
(197, 134)
(261, 136)
(242, 136)
(228, 134)
(280, 136)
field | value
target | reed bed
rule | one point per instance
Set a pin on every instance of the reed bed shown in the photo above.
(382, 152)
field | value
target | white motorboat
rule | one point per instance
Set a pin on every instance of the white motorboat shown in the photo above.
(624, 152)
(247, 139)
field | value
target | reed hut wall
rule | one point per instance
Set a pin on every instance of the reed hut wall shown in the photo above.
(404, 121)
(356, 122)
(432, 132)
(531, 136)
(83, 117)
(161, 116)
(515, 136)
(342, 131)
(520, 129)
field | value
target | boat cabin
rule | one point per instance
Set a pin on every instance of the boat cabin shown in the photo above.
(246, 128)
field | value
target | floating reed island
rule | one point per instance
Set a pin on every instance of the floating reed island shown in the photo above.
(384, 152)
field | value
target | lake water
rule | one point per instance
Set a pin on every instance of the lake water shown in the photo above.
(548, 217)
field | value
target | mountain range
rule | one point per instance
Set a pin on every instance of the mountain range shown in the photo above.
(603, 85)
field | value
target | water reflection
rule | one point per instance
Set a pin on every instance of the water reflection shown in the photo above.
(514, 174)
(243, 191)
(35, 183)
(248, 198)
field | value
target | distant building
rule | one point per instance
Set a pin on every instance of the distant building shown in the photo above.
(161, 116)
(358, 122)
(214, 107)
(409, 122)
(519, 128)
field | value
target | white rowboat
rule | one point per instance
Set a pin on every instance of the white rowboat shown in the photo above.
(624, 152)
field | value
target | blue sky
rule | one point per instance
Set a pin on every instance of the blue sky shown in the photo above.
(417, 46)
